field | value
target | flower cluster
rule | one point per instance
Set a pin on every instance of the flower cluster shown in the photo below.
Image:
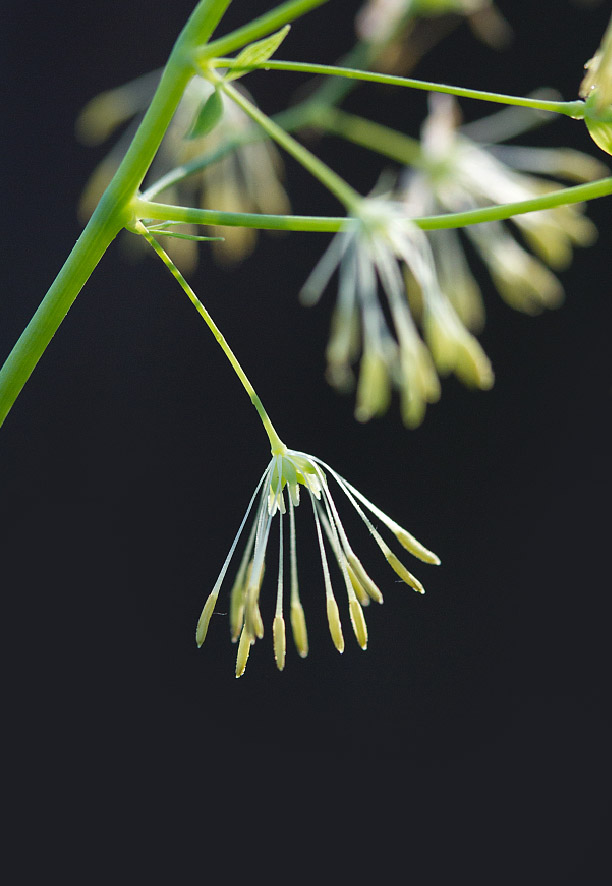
(458, 174)
(278, 491)
(379, 21)
(376, 242)
(236, 174)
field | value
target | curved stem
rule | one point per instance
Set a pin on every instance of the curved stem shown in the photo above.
(276, 443)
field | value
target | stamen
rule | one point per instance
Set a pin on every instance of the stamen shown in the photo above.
(278, 626)
(298, 621)
(333, 616)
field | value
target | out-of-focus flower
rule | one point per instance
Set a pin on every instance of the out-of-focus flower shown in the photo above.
(370, 251)
(457, 174)
(246, 178)
(598, 78)
(279, 491)
(382, 21)
(596, 89)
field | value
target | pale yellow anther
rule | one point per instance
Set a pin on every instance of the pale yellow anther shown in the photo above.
(358, 622)
(335, 628)
(244, 647)
(298, 627)
(410, 543)
(237, 609)
(360, 591)
(278, 631)
(364, 579)
(202, 627)
(403, 573)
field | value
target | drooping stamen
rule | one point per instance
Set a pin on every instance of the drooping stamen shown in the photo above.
(333, 616)
(278, 626)
(298, 622)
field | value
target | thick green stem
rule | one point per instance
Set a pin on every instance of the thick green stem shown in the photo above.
(114, 210)
(87, 252)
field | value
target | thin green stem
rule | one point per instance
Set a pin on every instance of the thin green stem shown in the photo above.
(571, 109)
(344, 192)
(275, 442)
(331, 224)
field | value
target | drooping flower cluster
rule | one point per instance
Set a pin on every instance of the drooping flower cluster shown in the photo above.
(378, 21)
(277, 492)
(458, 174)
(377, 241)
(239, 175)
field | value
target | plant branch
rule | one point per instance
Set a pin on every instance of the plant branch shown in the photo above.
(331, 224)
(571, 109)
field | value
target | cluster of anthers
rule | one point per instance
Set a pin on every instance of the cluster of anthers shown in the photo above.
(278, 491)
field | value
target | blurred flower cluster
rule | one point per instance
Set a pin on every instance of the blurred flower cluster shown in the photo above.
(425, 279)
(233, 173)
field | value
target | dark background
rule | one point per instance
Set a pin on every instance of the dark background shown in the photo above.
(470, 737)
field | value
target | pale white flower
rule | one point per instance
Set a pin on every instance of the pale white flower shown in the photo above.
(277, 493)
(369, 254)
(458, 174)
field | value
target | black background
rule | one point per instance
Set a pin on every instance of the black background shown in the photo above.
(470, 737)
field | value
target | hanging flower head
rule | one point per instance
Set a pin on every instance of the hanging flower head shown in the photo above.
(369, 254)
(457, 174)
(277, 492)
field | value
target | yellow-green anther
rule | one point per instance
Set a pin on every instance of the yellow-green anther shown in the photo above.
(410, 543)
(244, 647)
(204, 620)
(358, 622)
(335, 628)
(403, 573)
(360, 591)
(278, 631)
(364, 579)
(298, 628)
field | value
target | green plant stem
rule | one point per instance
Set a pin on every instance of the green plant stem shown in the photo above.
(113, 212)
(259, 27)
(344, 192)
(275, 441)
(571, 109)
(331, 224)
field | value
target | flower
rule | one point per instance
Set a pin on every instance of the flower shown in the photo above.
(596, 89)
(457, 174)
(239, 175)
(381, 21)
(277, 490)
(598, 78)
(370, 250)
